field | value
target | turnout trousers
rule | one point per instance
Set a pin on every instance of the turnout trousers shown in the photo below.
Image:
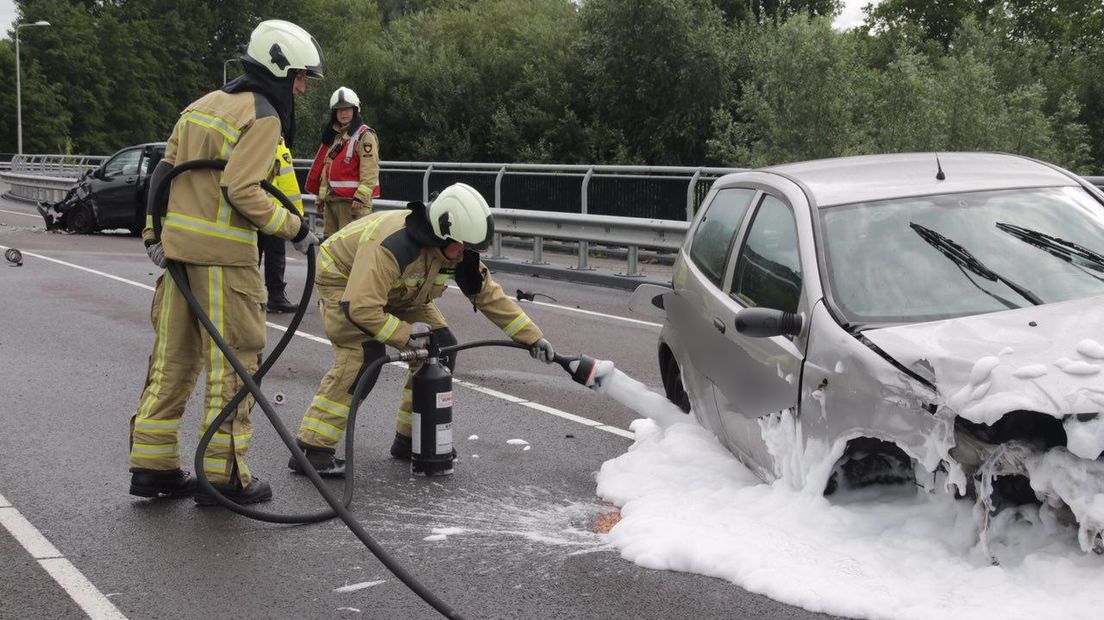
(324, 422)
(233, 297)
(338, 212)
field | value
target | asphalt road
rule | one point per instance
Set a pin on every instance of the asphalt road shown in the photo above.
(74, 341)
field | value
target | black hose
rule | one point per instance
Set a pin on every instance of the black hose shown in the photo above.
(339, 508)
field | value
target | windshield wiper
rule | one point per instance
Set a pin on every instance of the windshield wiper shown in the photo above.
(1073, 253)
(965, 260)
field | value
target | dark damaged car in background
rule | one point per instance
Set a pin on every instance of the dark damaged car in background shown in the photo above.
(935, 319)
(109, 197)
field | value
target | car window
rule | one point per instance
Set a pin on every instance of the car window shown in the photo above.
(717, 229)
(936, 257)
(123, 163)
(768, 269)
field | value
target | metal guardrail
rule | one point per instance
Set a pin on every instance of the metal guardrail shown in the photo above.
(37, 177)
(48, 177)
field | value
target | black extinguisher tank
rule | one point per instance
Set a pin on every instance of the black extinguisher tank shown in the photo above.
(432, 453)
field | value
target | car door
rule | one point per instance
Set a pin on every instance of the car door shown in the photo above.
(115, 187)
(763, 374)
(697, 285)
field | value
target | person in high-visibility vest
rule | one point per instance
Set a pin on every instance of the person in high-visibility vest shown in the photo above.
(272, 247)
(345, 172)
(210, 227)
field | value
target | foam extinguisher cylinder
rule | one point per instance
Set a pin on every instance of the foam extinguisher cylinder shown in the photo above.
(431, 393)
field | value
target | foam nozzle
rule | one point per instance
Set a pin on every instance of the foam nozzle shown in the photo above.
(580, 368)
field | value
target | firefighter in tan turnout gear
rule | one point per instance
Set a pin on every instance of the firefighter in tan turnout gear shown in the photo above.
(377, 281)
(345, 172)
(210, 227)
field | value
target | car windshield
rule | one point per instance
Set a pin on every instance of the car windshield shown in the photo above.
(935, 257)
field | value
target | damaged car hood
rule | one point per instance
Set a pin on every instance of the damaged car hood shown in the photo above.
(1047, 358)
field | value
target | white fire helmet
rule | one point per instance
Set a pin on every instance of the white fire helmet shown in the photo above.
(344, 97)
(284, 48)
(461, 214)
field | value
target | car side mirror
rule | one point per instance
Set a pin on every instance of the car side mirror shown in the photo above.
(767, 322)
(98, 173)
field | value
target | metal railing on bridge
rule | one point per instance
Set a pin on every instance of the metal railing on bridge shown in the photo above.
(630, 207)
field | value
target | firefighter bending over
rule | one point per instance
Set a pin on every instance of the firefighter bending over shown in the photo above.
(377, 279)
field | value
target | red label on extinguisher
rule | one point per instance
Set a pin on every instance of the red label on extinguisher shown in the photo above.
(444, 399)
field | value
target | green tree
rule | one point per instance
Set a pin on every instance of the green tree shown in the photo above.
(655, 72)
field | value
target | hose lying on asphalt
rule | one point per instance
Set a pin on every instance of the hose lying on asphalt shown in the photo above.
(338, 507)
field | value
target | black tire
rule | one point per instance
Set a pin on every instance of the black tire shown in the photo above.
(672, 383)
(81, 220)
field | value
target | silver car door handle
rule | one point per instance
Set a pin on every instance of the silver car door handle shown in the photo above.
(719, 324)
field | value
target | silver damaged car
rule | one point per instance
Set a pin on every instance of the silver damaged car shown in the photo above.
(932, 318)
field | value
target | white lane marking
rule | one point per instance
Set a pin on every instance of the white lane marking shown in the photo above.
(34, 215)
(76, 585)
(99, 273)
(473, 386)
(581, 311)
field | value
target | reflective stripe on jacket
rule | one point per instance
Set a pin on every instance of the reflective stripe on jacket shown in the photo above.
(382, 271)
(200, 226)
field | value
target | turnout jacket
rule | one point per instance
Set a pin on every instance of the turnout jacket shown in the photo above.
(200, 226)
(382, 268)
(358, 178)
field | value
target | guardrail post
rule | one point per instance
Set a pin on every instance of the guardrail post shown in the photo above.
(496, 246)
(425, 184)
(690, 195)
(538, 251)
(632, 270)
(584, 246)
(498, 187)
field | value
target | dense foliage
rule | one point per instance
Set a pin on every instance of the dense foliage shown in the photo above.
(687, 82)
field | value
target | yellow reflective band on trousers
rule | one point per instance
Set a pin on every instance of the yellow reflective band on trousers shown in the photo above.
(216, 362)
(330, 407)
(233, 297)
(442, 279)
(322, 428)
(517, 324)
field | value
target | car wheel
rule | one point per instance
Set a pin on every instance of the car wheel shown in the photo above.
(81, 220)
(672, 383)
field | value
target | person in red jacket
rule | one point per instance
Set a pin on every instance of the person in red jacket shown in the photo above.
(345, 172)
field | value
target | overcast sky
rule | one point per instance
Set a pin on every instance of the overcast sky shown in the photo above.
(852, 13)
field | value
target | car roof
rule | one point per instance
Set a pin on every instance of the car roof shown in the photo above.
(867, 178)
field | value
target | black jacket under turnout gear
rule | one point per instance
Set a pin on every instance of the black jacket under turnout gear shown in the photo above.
(278, 91)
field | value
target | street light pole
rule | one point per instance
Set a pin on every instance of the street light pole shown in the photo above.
(18, 89)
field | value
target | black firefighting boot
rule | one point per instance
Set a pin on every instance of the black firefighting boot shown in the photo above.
(401, 448)
(258, 491)
(278, 303)
(323, 459)
(170, 483)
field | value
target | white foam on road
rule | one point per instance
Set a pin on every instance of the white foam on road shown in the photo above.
(93, 602)
(890, 552)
